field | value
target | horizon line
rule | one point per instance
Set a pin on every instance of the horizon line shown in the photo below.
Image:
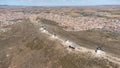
(58, 5)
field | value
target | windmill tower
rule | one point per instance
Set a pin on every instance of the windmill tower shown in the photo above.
(54, 35)
(43, 29)
(98, 50)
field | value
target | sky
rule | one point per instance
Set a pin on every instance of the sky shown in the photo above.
(59, 2)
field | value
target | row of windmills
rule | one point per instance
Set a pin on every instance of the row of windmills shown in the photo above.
(67, 42)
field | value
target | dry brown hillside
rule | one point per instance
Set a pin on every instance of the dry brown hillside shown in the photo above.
(24, 46)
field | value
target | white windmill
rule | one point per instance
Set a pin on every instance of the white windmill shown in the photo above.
(98, 50)
(67, 42)
(54, 35)
(43, 29)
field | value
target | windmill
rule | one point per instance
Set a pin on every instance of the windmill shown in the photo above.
(54, 35)
(67, 41)
(43, 29)
(98, 50)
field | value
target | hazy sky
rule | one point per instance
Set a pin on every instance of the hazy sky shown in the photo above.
(59, 2)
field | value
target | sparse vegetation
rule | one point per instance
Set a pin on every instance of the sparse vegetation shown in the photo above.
(113, 35)
(25, 46)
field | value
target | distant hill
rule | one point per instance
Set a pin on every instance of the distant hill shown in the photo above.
(62, 6)
(4, 5)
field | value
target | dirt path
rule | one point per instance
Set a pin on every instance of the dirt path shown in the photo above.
(113, 59)
(82, 49)
(27, 43)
